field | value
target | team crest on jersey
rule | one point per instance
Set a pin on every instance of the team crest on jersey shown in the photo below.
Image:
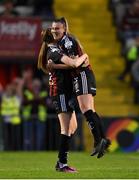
(68, 43)
(55, 49)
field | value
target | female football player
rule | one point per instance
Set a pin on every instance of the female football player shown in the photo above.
(61, 92)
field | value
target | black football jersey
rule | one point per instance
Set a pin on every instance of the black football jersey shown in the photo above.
(72, 48)
(59, 79)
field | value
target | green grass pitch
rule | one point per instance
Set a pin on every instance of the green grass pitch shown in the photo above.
(39, 165)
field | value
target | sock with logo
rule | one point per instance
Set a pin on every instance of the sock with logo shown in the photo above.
(93, 124)
(101, 125)
(63, 148)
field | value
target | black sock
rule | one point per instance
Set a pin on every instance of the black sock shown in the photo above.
(63, 148)
(93, 124)
(101, 125)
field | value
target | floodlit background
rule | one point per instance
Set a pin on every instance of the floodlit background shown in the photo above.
(109, 32)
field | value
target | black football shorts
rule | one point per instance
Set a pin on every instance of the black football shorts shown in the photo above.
(62, 103)
(84, 83)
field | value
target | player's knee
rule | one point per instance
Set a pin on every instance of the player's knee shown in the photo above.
(73, 129)
(85, 107)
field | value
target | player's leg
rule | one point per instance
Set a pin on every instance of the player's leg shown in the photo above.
(85, 88)
(100, 143)
(64, 114)
(101, 128)
(65, 138)
(73, 124)
(85, 104)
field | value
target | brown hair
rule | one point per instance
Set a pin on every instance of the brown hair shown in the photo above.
(47, 38)
(64, 21)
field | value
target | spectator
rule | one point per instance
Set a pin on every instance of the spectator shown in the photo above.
(44, 8)
(9, 10)
(34, 116)
(130, 22)
(10, 112)
(39, 112)
(131, 55)
(118, 8)
(18, 83)
(27, 76)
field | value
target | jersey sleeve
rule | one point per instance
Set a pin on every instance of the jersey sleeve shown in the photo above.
(55, 55)
(79, 48)
(71, 46)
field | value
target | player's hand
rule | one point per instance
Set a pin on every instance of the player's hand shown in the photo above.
(86, 62)
(86, 56)
(50, 65)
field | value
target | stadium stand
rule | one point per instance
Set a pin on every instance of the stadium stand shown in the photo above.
(92, 22)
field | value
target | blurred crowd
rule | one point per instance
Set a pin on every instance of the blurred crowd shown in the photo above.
(28, 118)
(24, 107)
(126, 19)
(24, 101)
(41, 8)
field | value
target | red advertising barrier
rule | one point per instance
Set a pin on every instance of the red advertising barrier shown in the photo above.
(19, 38)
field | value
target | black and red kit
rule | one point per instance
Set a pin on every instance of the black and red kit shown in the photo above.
(83, 78)
(60, 82)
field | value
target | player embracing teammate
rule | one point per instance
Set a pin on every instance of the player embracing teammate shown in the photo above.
(84, 85)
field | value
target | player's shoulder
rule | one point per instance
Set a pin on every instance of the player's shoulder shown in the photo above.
(68, 37)
(71, 37)
(68, 41)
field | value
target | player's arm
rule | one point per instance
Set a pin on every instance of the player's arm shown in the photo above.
(51, 65)
(59, 58)
(74, 63)
(68, 62)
